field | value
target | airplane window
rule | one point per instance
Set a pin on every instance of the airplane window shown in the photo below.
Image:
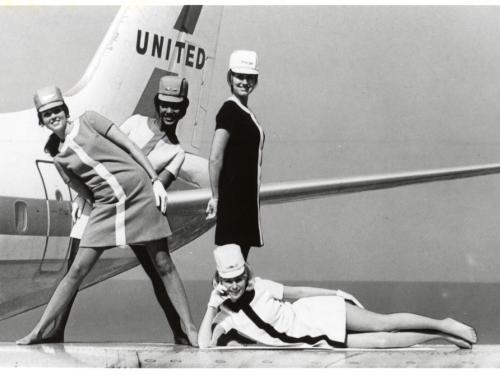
(59, 196)
(21, 214)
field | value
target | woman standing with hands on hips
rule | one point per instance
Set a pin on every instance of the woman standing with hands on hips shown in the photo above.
(106, 168)
(236, 159)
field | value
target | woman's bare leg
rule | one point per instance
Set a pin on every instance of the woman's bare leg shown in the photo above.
(56, 333)
(380, 340)
(68, 286)
(161, 295)
(362, 320)
(158, 250)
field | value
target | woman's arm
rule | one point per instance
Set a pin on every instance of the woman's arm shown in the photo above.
(170, 172)
(219, 143)
(295, 292)
(205, 332)
(81, 189)
(84, 196)
(217, 297)
(74, 182)
(115, 135)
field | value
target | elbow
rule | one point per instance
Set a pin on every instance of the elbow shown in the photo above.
(181, 156)
(213, 160)
(216, 158)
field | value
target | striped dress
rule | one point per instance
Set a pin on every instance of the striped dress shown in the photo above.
(261, 316)
(124, 209)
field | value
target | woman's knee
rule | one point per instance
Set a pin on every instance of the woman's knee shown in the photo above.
(164, 264)
(77, 272)
(375, 340)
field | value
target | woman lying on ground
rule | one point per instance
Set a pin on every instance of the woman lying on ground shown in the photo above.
(255, 309)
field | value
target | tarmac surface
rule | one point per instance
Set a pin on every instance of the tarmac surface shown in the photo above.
(144, 355)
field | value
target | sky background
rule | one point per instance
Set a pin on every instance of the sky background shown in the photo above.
(343, 91)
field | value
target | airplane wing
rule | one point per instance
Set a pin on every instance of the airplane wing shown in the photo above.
(281, 192)
(187, 212)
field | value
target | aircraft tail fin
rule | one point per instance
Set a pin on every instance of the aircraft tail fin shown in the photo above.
(142, 45)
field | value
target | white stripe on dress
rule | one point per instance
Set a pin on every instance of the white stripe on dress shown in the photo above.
(106, 175)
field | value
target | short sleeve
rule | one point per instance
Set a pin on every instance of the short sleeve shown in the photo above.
(98, 122)
(272, 287)
(223, 320)
(227, 117)
(130, 124)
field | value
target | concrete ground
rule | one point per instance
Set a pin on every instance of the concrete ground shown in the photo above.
(135, 355)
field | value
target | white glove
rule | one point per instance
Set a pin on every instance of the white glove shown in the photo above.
(160, 195)
(77, 207)
(344, 295)
(218, 296)
(212, 208)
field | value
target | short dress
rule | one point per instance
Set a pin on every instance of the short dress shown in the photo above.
(262, 316)
(238, 209)
(124, 210)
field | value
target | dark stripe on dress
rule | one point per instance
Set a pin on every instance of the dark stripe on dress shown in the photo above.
(243, 303)
(271, 331)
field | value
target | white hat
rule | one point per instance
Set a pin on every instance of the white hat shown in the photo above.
(229, 261)
(47, 98)
(244, 62)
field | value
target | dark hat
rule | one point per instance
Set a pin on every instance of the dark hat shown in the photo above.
(172, 89)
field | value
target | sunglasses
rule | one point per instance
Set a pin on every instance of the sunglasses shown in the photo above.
(236, 279)
(52, 111)
(248, 77)
(174, 106)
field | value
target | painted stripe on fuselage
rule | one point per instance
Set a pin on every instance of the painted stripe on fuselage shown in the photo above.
(188, 18)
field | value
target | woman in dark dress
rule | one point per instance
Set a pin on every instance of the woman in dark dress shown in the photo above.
(236, 159)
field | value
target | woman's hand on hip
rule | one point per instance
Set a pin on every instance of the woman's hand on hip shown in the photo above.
(212, 208)
(160, 195)
(77, 207)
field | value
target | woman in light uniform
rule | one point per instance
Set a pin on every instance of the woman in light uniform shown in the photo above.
(236, 160)
(157, 139)
(255, 309)
(105, 167)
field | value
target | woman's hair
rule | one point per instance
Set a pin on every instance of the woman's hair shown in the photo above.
(53, 142)
(52, 145)
(249, 275)
(185, 105)
(230, 75)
